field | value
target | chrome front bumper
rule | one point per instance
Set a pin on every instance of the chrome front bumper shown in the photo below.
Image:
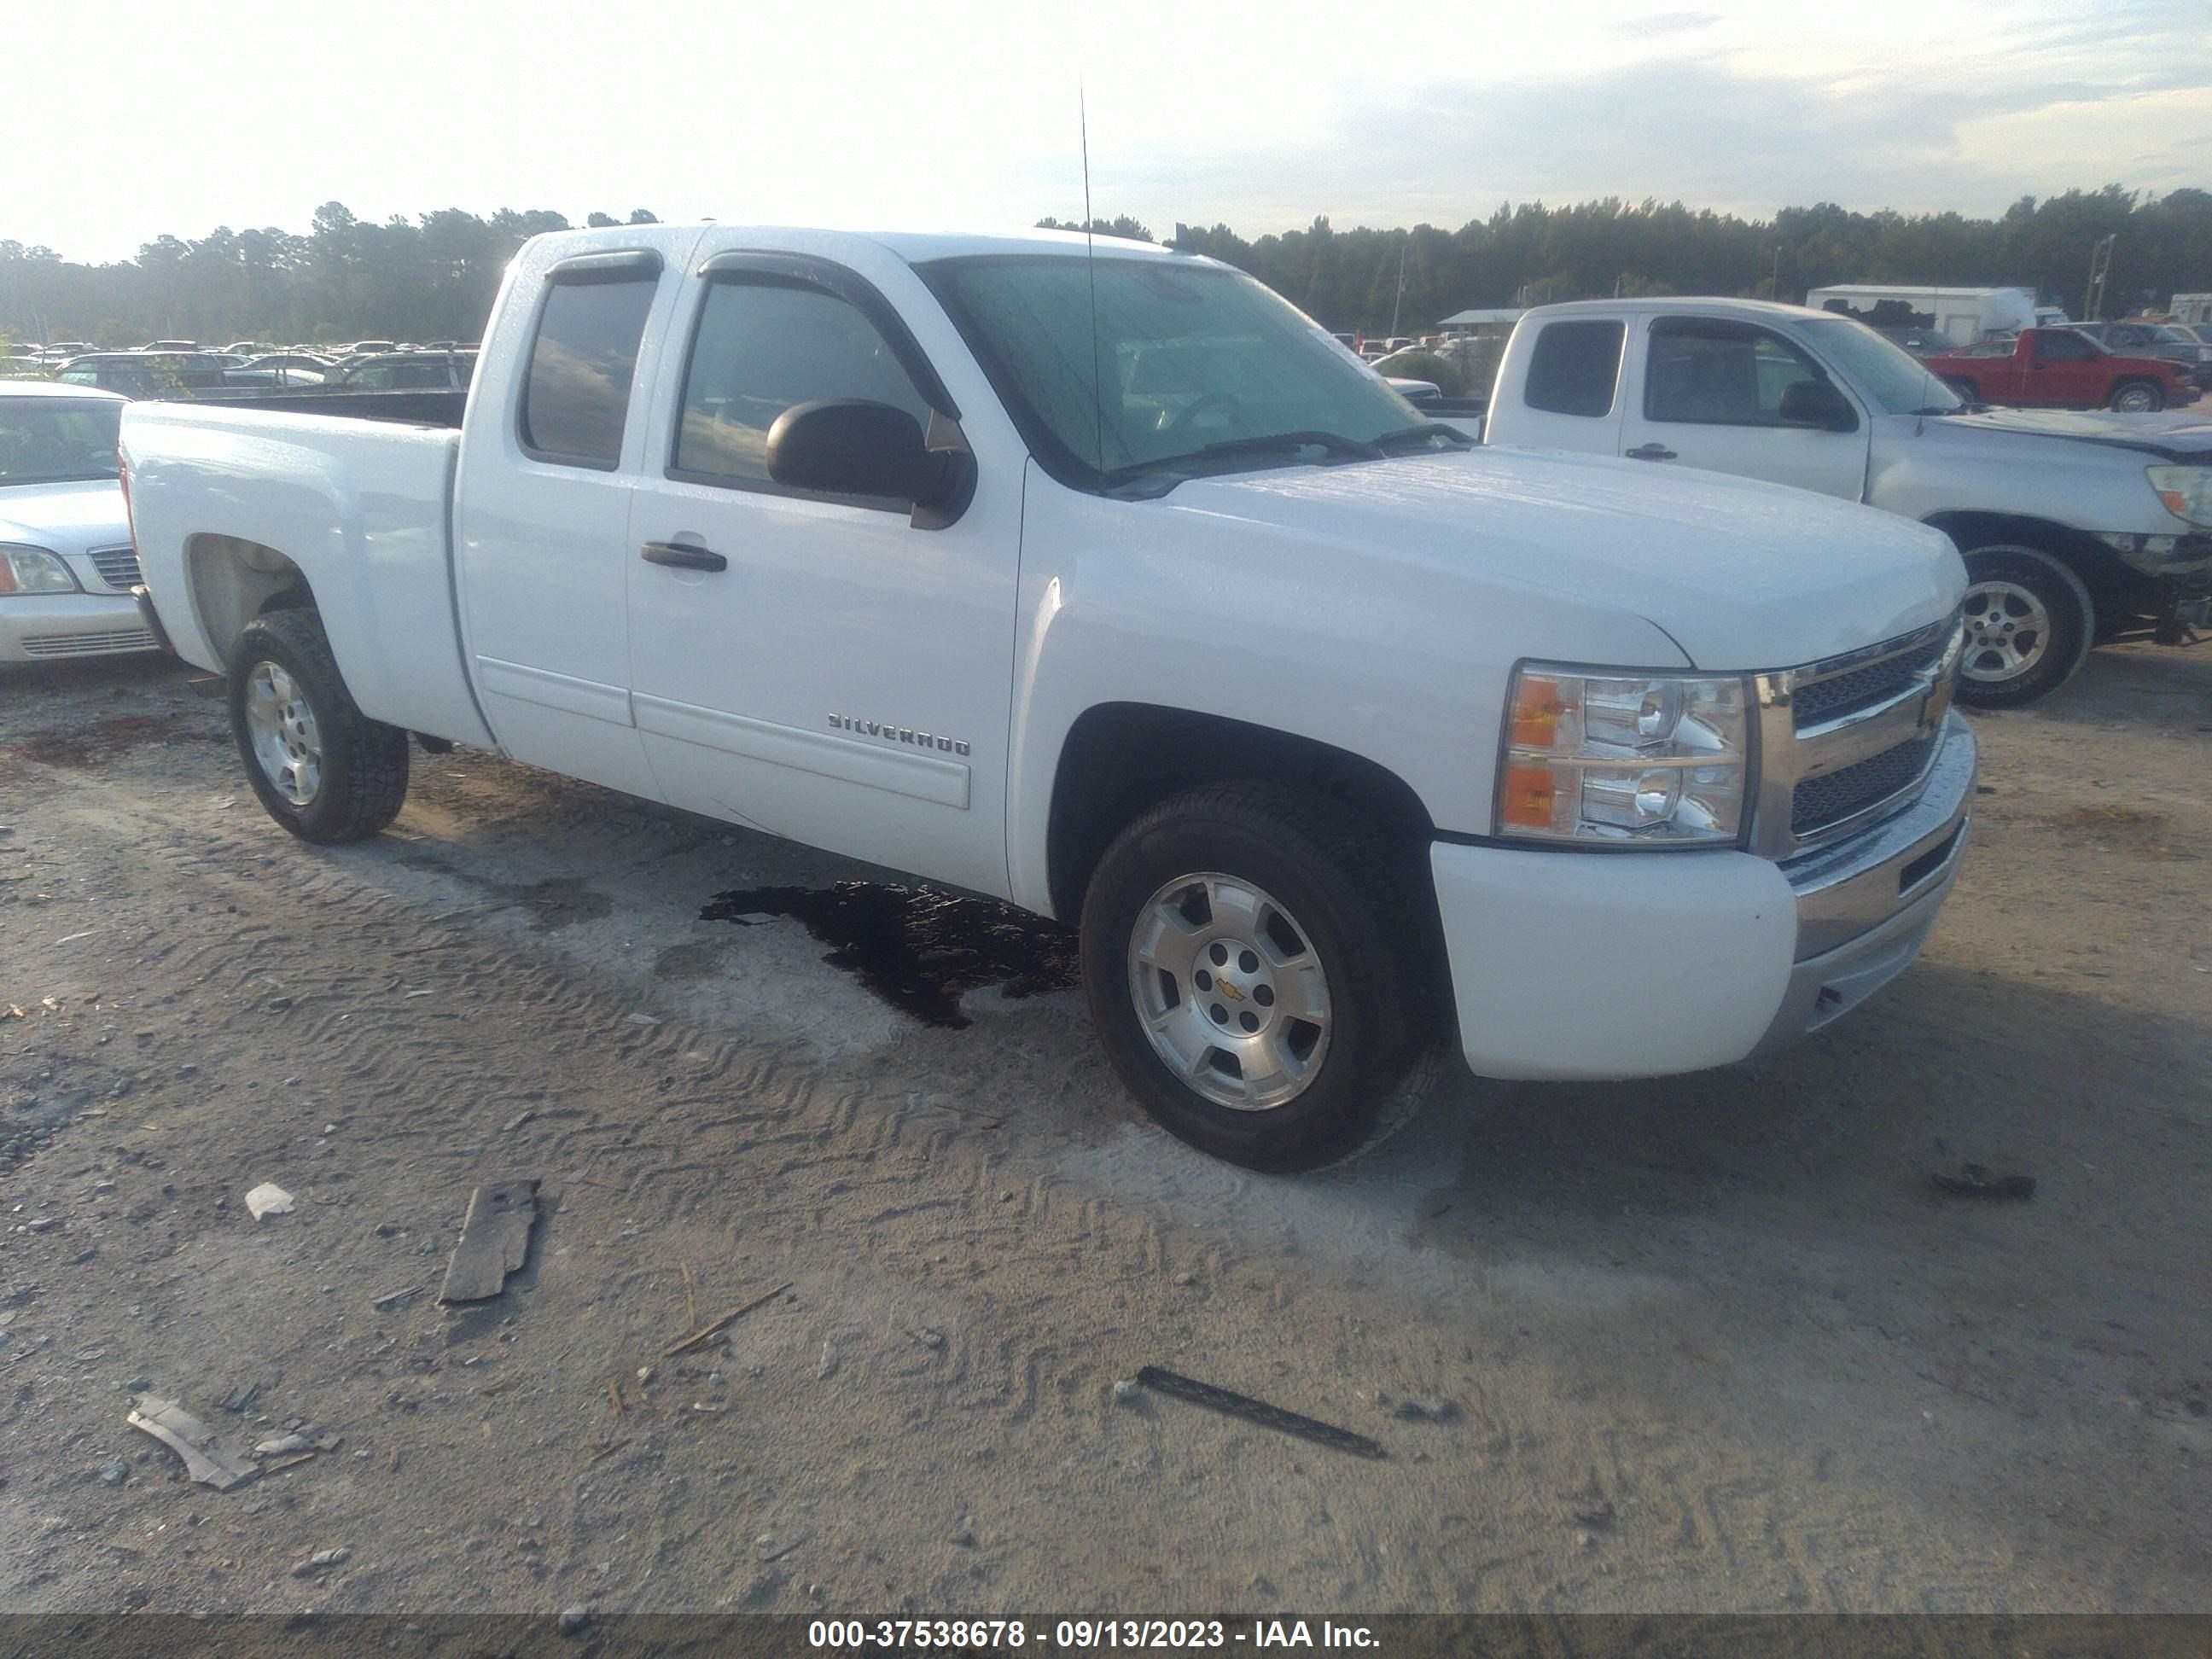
(1865, 905)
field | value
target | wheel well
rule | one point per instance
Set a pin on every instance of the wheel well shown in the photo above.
(1122, 758)
(2099, 569)
(233, 580)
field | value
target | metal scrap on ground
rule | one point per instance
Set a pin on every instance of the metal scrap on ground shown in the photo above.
(1258, 1411)
(205, 1460)
(494, 1241)
(1974, 1180)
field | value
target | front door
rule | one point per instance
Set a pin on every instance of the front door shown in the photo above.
(1716, 393)
(2064, 370)
(824, 668)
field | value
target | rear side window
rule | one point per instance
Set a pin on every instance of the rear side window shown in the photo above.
(1575, 368)
(763, 348)
(575, 394)
(2063, 347)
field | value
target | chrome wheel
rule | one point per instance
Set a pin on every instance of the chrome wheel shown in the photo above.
(1231, 991)
(2007, 631)
(2135, 399)
(287, 743)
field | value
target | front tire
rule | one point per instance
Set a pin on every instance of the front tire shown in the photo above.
(2029, 623)
(1262, 970)
(2138, 397)
(322, 769)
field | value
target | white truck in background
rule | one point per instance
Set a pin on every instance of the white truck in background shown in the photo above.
(1960, 315)
(2077, 528)
(1342, 739)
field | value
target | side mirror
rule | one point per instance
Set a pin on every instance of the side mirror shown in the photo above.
(1817, 402)
(851, 447)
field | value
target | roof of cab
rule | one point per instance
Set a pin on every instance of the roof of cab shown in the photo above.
(1675, 302)
(56, 389)
(916, 247)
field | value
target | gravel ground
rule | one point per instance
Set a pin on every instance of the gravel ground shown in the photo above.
(1714, 1343)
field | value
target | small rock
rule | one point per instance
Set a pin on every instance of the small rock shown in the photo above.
(282, 1445)
(1182, 1279)
(268, 1199)
(120, 1088)
(1126, 1392)
(645, 1373)
(81, 1257)
(278, 1005)
(329, 1128)
(1598, 1514)
(103, 1186)
(45, 1223)
(930, 1339)
(315, 1563)
(573, 1620)
(139, 1384)
(964, 1533)
(115, 1473)
(828, 1365)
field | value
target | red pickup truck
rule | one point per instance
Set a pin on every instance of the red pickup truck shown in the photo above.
(2060, 368)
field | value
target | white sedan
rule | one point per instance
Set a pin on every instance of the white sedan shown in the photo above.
(66, 563)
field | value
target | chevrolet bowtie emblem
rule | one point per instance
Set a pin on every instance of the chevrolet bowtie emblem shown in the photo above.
(1229, 990)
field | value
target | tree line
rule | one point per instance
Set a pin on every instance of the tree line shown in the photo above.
(435, 277)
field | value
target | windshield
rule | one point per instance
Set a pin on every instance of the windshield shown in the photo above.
(1899, 383)
(52, 442)
(2166, 336)
(1198, 368)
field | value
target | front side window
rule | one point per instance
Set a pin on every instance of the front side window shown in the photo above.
(1575, 367)
(763, 348)
(2062, 346)
(57, 442)
(1720, 374)
(575, 392)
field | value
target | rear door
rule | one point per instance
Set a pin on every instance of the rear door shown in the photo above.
(1716, 393)
(2064, 368)
(549, 456)
(834, 669)
(1570, 384)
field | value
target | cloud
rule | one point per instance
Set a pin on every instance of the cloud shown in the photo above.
(1656, 23)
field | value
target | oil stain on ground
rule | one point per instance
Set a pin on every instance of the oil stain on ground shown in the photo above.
(917, 948)
(84, 747)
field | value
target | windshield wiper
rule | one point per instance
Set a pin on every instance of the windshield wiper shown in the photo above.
(1452, 436)
(1268, 443)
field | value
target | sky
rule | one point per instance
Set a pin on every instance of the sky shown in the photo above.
(968, 116)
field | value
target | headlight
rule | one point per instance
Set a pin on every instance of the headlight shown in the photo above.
(1643, 759)
(35, 570)
(2186, 491)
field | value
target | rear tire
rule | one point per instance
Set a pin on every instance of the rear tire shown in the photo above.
(2030, 622)
(322, 769)
(1261, 968)
(2138, 397)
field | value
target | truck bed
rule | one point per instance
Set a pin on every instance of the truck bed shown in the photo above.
(207, 476)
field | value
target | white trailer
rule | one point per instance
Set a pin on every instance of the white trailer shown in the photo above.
(1961, 315)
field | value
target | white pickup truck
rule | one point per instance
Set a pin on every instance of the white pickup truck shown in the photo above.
(1108, 585)
(2077, 529)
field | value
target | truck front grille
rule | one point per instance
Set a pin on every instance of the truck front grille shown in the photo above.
(1862, 687)
(1817, 803)
(118, 568)
(1847, 739)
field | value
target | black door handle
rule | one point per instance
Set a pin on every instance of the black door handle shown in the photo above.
(682, 557)
(1649, 452)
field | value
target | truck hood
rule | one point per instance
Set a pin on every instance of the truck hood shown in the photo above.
(2184, 436)
(65, 517)
(1742, 576)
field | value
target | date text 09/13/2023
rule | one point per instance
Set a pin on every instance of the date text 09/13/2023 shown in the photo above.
(1086, 1635)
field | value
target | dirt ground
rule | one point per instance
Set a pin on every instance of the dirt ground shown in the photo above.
(1716, 1343)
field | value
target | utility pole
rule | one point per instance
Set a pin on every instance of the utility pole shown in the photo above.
(2100, 267)
(1398, 303)
(1774, 282)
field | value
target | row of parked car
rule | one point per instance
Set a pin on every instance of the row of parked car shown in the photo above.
(180, 366)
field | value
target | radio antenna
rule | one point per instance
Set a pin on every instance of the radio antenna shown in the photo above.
(1090, 269)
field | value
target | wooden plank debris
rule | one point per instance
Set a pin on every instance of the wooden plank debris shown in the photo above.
(494, 1241)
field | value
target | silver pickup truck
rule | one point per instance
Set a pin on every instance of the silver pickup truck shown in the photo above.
(2077, 529)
